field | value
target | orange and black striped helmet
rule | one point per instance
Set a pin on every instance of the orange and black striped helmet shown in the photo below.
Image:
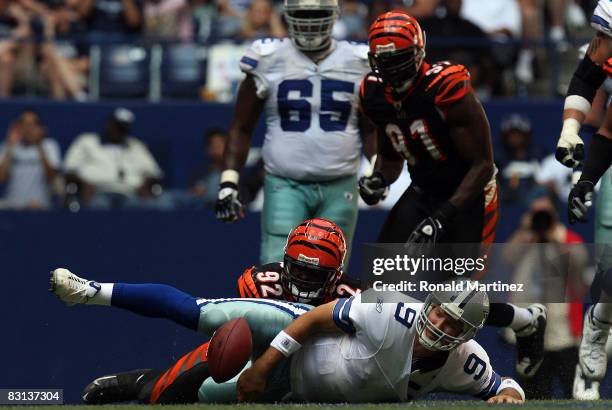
(314, 256)
(397, 48)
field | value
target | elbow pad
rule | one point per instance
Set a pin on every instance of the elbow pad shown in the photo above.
(587, 78)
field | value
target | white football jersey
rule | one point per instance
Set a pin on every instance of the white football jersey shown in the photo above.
(372, 361)
(369, 363)
(311, 110)
(602, 17)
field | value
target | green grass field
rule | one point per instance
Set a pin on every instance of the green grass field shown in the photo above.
(437, 405)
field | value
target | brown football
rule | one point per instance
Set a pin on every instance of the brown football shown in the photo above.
(229, 350)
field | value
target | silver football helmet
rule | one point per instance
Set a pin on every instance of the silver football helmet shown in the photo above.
(310, 22)
(468, 307)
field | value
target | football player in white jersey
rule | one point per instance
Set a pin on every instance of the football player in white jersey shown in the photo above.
(592, 71)
(307, 86)
(353, 351)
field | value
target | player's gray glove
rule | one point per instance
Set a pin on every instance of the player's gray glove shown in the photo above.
(373, 188)
(579, 201)
(229, 207)
(570, 149)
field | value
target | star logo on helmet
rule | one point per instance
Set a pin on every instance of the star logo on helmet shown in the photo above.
(307, 259)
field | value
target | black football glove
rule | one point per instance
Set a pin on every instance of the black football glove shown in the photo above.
(431, 228)
(579, 201)
(229, 207)
(373, 188)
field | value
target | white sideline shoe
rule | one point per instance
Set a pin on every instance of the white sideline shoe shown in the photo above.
(584, 389)
(72, 289)
(592, 355)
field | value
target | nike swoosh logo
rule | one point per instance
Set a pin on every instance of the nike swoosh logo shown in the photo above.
(589, 369)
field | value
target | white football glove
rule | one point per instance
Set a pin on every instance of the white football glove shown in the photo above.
(570, 147)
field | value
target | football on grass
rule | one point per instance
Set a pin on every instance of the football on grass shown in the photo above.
(229, 350)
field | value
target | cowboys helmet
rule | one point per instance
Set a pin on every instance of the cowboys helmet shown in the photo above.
(467, 307)
(314, 256)
(310, 22)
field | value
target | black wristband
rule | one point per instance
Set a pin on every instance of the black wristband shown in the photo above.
(587, 78)
(447, 212)
(598, 159)
(227, 184)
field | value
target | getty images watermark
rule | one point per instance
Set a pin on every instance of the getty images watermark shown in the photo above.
(524, 273)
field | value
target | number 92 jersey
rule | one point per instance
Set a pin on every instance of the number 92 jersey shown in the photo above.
(414, 125)
(310, 109)
(264, 281)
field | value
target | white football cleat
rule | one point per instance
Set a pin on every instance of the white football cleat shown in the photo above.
(584, 389)
(72, 289)
(592, 356)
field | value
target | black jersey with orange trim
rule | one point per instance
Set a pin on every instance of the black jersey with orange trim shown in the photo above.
(415, 127)
(264, 281)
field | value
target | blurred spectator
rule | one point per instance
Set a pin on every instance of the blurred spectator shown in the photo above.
(501, 20)
(555, 177)
(113, 20)
(448, 25)
(203, 14)
(164, 19)
(261, 21)
(231, 15)
(64, 62)
(420, 8)
(517, 160)
(113, 170)
(205, 180)
(352, 24)
(535, 250)
(532, 17)
(16, 56)
(28, 163)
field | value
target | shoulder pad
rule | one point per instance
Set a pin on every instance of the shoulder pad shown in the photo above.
(447, 82)
(267, 46)
(360, 50)
(259, 50)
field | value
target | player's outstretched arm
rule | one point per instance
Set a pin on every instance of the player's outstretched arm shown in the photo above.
(252, 382)
(586, 80)
(229, 207)
(510, 393)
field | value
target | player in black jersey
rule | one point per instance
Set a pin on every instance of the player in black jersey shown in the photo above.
(428, 116)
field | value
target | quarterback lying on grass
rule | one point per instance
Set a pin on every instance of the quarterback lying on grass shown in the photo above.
(350, 351)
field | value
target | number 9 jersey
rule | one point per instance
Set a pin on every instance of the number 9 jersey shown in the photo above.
(311, 109)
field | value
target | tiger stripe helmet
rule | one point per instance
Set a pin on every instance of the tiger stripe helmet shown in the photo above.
(397, 48)
(314, 257)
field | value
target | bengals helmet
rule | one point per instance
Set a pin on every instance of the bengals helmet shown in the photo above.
(314, 256)
(310, 22)
(397, 48)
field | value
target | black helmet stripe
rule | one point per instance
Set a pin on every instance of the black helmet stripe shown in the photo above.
(313, 246)
(386, 34)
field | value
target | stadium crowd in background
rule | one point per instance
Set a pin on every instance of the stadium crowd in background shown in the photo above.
(505, 44)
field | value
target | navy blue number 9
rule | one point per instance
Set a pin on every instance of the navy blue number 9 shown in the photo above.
(405, 315)
(475, 365)
(295, 114)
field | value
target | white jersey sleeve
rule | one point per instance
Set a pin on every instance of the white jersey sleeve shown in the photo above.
(602, 17)
(469, 371)
(257, 61)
